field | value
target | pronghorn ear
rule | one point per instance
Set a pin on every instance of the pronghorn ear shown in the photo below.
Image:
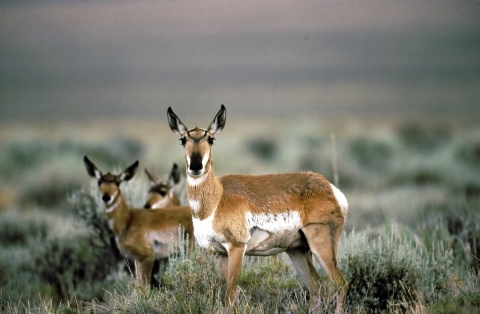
(91, 168)
(128, 173)
(175, 124)
(174, 177)
(218, 122)
(153, 180)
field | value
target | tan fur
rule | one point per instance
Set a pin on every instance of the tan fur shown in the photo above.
(162, 193)
(296, 213)
(168, 201)
(142, 234)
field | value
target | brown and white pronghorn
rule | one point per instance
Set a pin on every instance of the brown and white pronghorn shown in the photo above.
(141, 234)
(237, 215)
(162, 193)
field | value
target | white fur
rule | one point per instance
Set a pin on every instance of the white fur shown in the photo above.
(227, 246)
(205, 159)
(194, 205)
(110, 208)
(111, 223)
(277, 223)
(204, 233)
(160, 204)
(257, 237)
(195, 181)
(342, 201)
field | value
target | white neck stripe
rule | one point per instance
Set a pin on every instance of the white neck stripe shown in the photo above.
(160, 204)
(111, 208)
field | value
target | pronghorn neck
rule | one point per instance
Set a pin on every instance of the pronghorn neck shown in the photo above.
(118, 213)
(204, 193)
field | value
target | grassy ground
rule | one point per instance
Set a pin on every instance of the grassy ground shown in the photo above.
(411, 243)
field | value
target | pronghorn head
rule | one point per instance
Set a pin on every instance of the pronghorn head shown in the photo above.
(109, 183)
(197, 142)
(161, 192)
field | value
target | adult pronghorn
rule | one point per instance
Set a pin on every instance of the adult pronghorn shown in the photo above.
(296, 213)
(162, 193)
(141, 234)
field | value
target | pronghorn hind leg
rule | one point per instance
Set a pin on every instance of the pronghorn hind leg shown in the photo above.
(303, 263)
(144, 272)
(223, 263)
(323, 240)
(231, 266)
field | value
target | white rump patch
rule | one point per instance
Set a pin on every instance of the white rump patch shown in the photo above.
(342, 201)
(274, 223)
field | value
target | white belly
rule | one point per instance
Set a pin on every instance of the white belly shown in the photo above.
(268, 234)
(277, 223)
(272, 234)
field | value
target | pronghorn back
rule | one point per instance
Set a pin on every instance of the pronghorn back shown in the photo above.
(273, 193)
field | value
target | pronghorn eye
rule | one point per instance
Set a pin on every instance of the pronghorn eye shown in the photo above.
(183, 140)
(210, 140)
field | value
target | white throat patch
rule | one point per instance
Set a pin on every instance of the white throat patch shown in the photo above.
(196, 181)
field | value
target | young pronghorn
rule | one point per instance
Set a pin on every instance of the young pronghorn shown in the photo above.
(141, 234)
(237, 215)
(162, 193)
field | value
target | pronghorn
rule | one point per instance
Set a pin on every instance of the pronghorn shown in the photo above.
(162, 193)
(141, 234)
(237, 215)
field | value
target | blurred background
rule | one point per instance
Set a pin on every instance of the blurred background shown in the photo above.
(386, 95)
(79, 60)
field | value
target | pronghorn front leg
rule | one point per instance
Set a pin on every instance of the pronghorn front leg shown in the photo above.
(231, 266)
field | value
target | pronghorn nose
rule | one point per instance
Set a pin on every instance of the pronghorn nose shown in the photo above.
(147, 205)
(196, 166)
(106, 198)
